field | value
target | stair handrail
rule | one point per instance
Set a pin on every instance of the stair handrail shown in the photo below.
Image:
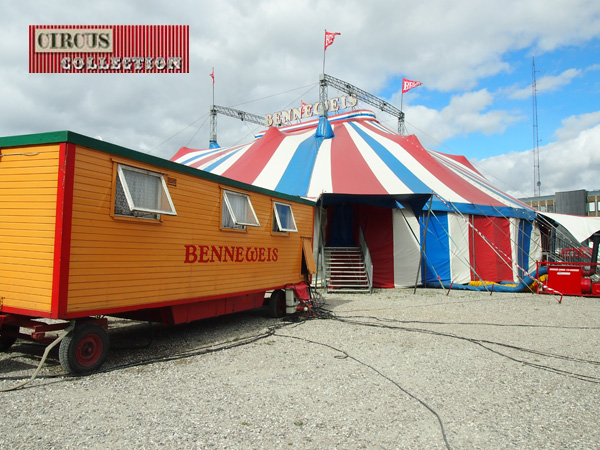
(364, 248)
(321, 263)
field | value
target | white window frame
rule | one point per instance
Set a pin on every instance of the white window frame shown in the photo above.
(130, 201)
(239, 222)
(278, 220)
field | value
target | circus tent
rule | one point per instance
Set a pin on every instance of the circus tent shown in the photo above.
(402, 197)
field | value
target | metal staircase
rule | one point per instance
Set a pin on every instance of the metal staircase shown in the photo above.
(346, 270)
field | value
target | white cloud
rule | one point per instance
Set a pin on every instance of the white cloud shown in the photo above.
(465, 114)
(571, 163)
(548, 83)
(575, 125)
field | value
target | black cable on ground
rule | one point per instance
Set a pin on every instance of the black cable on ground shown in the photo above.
(537, 352)
(316, 304)
(377, 371)
(490, 324)
(481, 342)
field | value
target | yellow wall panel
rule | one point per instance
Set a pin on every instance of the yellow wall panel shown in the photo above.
(28, 188)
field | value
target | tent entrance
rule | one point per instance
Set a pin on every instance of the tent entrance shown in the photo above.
(373, 223)
(367, 230)
(341, 226)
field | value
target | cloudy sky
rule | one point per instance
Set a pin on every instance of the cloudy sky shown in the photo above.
(474, 59)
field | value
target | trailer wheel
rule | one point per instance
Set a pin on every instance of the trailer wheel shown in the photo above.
(84, 349)
(276, 305)
(6, 342)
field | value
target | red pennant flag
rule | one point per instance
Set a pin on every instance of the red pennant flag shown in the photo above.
(329, 37)
(303, 108)
(212, 75)
(407, 85)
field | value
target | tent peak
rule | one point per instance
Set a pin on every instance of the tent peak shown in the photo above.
(324, 129)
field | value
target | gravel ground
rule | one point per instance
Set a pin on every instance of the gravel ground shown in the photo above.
(390, 370)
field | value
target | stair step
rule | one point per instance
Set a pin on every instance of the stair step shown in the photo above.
(347, 263)
(345, 270)
(353, 260)
(347, 291)
(347, 276)
(348, 286)
(348, 280)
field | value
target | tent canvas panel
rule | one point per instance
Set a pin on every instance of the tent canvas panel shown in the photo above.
(377, 226)
(253, 161)
(446, 248)
(490, 249)
(458, 230)
(535, 247)
(436, 257)
(527, 245)
(406, 247)
(522, 242)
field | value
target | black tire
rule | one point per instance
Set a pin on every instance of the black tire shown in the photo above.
(276, 304)
(6, 342)
(84, 349)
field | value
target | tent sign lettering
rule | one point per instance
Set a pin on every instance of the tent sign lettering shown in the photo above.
(229, 253)
(309, 110)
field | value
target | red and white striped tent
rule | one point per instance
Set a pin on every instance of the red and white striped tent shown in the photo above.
(370, 178)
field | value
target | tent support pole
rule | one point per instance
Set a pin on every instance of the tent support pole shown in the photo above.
(320, 255)
(423, 244)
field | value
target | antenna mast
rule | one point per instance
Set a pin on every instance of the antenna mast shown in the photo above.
(536, 147)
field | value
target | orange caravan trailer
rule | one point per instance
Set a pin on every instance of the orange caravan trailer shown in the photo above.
(90, 229)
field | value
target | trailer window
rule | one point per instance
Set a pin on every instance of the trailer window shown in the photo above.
(237, 211)
(142, 193)
(283, 217)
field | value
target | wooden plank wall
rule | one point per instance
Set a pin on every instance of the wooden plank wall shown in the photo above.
(28, 191)
(120, 263)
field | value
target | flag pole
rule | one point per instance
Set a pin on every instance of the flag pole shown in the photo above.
(401, 128)
(401, 101)
(212, 141)
(324, 50)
